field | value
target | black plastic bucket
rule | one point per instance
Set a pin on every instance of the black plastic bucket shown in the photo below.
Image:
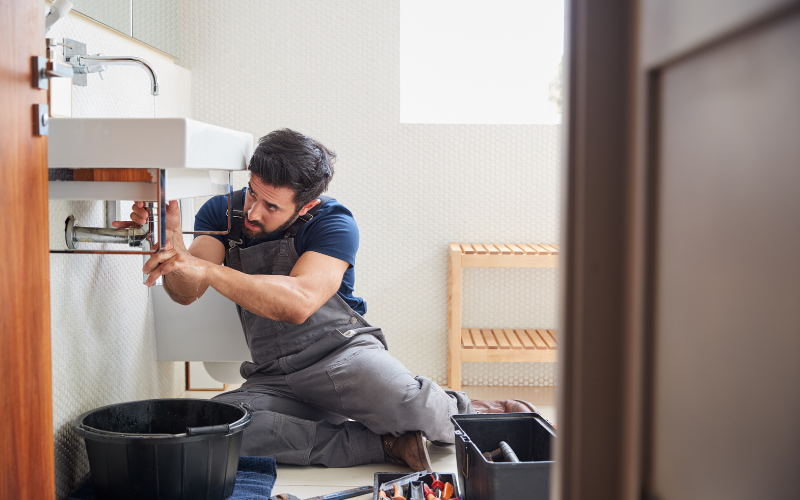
(164, 448)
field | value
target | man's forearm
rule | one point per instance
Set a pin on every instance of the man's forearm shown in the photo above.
(181, 290)
(275, 297)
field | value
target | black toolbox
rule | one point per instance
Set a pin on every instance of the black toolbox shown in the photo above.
(385, 477)
(531, 437)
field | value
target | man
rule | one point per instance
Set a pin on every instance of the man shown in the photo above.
(289, 267)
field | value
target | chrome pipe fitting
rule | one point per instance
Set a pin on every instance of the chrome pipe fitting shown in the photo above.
(131, 236)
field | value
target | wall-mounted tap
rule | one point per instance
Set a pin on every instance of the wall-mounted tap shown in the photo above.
(96, 63)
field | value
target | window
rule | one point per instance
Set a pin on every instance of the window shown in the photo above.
(481, 62)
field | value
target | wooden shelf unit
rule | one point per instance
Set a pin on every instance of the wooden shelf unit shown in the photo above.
(495, 344)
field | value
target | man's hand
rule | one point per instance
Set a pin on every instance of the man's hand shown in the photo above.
(178, 261)
(140, 216)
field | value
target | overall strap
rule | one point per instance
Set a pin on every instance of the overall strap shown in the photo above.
(292, 230)
(234, 237)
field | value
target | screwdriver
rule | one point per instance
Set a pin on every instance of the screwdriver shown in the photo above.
(428, 493)
(437, 486)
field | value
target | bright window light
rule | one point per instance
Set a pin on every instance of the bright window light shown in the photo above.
(481, 62)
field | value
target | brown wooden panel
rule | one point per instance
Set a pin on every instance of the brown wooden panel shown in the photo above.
(26, 446)
(502, 342)
(553, 249)
(515, 249)
(498, 260)
(491, 249)
(113, 174)
(509, 355)
(536, 339)
(479, 248)
(454, 317)
(549, 340)
(488, 336)
(513, 339)
(528, 250)
(477, 338)
(525, 339)
(467, 248)
(554, 334)
(540, 249)
(466, 339)
(504, 250)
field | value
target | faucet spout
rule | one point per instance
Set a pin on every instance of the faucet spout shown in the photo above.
(88, 64)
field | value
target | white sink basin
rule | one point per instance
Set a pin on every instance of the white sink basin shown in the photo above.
(196, 156)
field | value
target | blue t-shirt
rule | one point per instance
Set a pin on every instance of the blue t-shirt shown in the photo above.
(332, 231)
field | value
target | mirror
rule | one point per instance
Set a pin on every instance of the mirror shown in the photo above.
(154, 22)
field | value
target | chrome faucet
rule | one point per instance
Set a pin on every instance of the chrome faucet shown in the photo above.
(97, 63)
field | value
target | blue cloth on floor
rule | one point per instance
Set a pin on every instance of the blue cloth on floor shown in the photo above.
(254, 481)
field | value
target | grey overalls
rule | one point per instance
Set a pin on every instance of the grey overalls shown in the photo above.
(307, 380)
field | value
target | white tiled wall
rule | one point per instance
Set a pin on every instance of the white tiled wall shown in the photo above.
(331, 70)
(102, 326)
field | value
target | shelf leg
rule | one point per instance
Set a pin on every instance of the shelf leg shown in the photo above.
(454, 318)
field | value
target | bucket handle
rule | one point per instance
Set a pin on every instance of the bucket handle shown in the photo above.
(224, 428)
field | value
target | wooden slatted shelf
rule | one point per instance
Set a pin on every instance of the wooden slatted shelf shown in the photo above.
(495, 344)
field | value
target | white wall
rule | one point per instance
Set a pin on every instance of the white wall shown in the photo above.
(103, 341)
(331, 70)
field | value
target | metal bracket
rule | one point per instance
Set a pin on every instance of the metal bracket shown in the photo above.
(72, 48)
(41, 115)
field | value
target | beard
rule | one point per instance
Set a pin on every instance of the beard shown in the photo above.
(262, 232)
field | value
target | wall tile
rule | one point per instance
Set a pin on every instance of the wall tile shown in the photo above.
(103, 344)
(331, 70)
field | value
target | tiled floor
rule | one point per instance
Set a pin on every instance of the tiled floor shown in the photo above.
(310, 481)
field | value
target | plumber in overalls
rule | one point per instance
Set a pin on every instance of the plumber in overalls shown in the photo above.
(322, 384)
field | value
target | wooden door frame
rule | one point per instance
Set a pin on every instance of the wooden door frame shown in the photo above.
(26, 447)
(609, 230)
(595, 452)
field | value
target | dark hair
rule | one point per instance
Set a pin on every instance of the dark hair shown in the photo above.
(285, 158)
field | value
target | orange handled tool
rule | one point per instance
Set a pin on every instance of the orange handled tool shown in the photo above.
(382, 494)
(398, 493)
(448, 491)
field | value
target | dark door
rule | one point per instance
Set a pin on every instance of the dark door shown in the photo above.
(726, 227)
(680, 365)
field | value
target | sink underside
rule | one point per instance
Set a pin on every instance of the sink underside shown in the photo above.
(196, 156)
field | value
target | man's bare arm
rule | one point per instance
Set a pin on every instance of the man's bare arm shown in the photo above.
(313, 280)
(185, 291)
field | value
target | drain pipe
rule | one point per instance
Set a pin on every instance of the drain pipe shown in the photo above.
(142, 236)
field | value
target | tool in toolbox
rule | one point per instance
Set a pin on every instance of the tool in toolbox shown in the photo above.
(448, 491)
(428, 493)
(355, 492)
(398, 492)
(508, 453)
(437, 486)
(417, 492)
(388, 486)
(504, 451)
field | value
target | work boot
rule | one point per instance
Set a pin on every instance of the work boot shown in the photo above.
(503, 406)
(408, 449)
